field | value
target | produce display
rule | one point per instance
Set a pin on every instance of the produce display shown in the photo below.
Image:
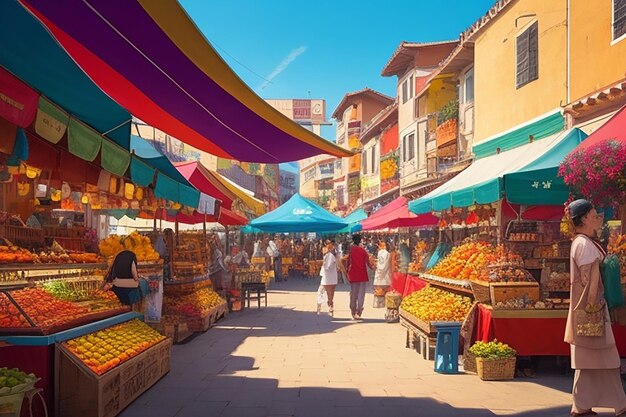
(15, 254)
(82, 290)
(558, 281)
(469, 261)
(617, 246)
(104, 350)
(13, 381)
(54, 304)
(196, 304)
(419, 255)
(492, 350)
(432, 304)
(141, 245)
(508, 273)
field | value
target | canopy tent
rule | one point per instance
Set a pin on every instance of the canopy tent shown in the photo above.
(538, 183)
(614, 128)
(396, 214)
(298, 215)
(354, 219)
(68, 106)
(152, 60)
(226, 218)
(482, 182)
(212, 183)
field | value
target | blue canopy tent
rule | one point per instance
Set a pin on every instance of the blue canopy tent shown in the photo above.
(298, 215)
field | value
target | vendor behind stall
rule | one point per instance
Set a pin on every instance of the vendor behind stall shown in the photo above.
(124, 280)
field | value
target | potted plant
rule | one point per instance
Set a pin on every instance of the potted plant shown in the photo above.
(495, 361)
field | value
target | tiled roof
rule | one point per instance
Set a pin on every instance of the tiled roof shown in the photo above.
(346, 100)
(404, 56)
(608, 96)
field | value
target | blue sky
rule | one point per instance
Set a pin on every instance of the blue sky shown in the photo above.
(324, 49)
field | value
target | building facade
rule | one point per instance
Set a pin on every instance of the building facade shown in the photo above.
(354, 111)
(413, 64)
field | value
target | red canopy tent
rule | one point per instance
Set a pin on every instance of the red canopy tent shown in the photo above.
(614, 128)
(397, 214)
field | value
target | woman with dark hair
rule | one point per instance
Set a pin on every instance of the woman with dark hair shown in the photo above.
(594, 355)
(124, 280)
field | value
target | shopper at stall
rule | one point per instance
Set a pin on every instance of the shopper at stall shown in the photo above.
(124, 280)
(274, 253)
(218, 268)
(358, 262)
(329, 276)
(594, 355)
(382, 277)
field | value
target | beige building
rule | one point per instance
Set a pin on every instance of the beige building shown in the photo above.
(413, 64)
(352, 114)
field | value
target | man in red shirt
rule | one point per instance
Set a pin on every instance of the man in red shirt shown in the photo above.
(358, 261)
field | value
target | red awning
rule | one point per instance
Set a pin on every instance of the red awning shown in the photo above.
(397, 214)
(614, 128)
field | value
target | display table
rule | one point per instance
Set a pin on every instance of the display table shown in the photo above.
(35, 354)
(532, 332)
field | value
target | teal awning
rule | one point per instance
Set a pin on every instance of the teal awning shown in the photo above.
(483, 181)
(541, 128)
(539, 183)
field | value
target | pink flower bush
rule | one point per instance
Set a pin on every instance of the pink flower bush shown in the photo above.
(597, 173)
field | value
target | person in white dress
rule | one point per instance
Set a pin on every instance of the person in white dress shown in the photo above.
(329, 275)
(382, 277)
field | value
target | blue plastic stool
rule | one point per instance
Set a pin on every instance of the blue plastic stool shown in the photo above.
(447, 349)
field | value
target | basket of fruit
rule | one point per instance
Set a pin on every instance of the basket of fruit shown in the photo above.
(13, 385)
(495, 361)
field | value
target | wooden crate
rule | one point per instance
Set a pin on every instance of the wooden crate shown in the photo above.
(425, 327)
(82, 393)
(503, 291)
(200, 325)
(177, 330)
(26, 237)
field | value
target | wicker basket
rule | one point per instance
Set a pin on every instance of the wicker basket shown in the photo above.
(495, 369)
(469, 362)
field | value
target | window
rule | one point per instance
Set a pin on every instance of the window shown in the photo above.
(405, 93)
(373, 151)
(408, 147)
(527, 56)
(468, 87)
(619, 19)
(364, 162)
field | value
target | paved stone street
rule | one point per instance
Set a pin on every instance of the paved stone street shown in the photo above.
(285, 360)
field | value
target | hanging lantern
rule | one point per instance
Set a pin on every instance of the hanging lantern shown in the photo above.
(139, 193)
(32, 172)
(55, 195)
(84, 199)
(113, 185)
(129, 191)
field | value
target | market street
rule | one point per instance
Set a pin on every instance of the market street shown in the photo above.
(284, 360)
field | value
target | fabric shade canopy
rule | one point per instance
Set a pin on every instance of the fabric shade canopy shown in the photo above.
(396, 214)
(298, 215)
(539, 183)
(212, 183)
(483, 181)
(614, 128)
(29, 52)
(151, 59)
(355, 218)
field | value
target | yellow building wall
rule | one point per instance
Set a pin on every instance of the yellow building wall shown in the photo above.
(595, 63)
(440, 92)
(499, 105)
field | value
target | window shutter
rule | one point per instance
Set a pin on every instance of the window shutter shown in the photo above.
(522, 59)
(619, 18)
(404, 92)
(411, 146)
(533, 53)
(364, 161)
(411, 87)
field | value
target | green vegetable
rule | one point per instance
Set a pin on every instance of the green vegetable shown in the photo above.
(492, 350)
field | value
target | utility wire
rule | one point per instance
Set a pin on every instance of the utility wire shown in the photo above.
(239, 62)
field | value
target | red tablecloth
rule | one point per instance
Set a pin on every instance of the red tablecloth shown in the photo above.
(534, 336)
(398, 280)
(413, 283)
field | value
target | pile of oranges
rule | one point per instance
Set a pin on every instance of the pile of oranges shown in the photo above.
(432, 304)
(469, 261)
(104, 350)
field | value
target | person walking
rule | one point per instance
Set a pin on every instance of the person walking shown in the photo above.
(382, 277)
(594, 355)
(329, 277)
(358, 261)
